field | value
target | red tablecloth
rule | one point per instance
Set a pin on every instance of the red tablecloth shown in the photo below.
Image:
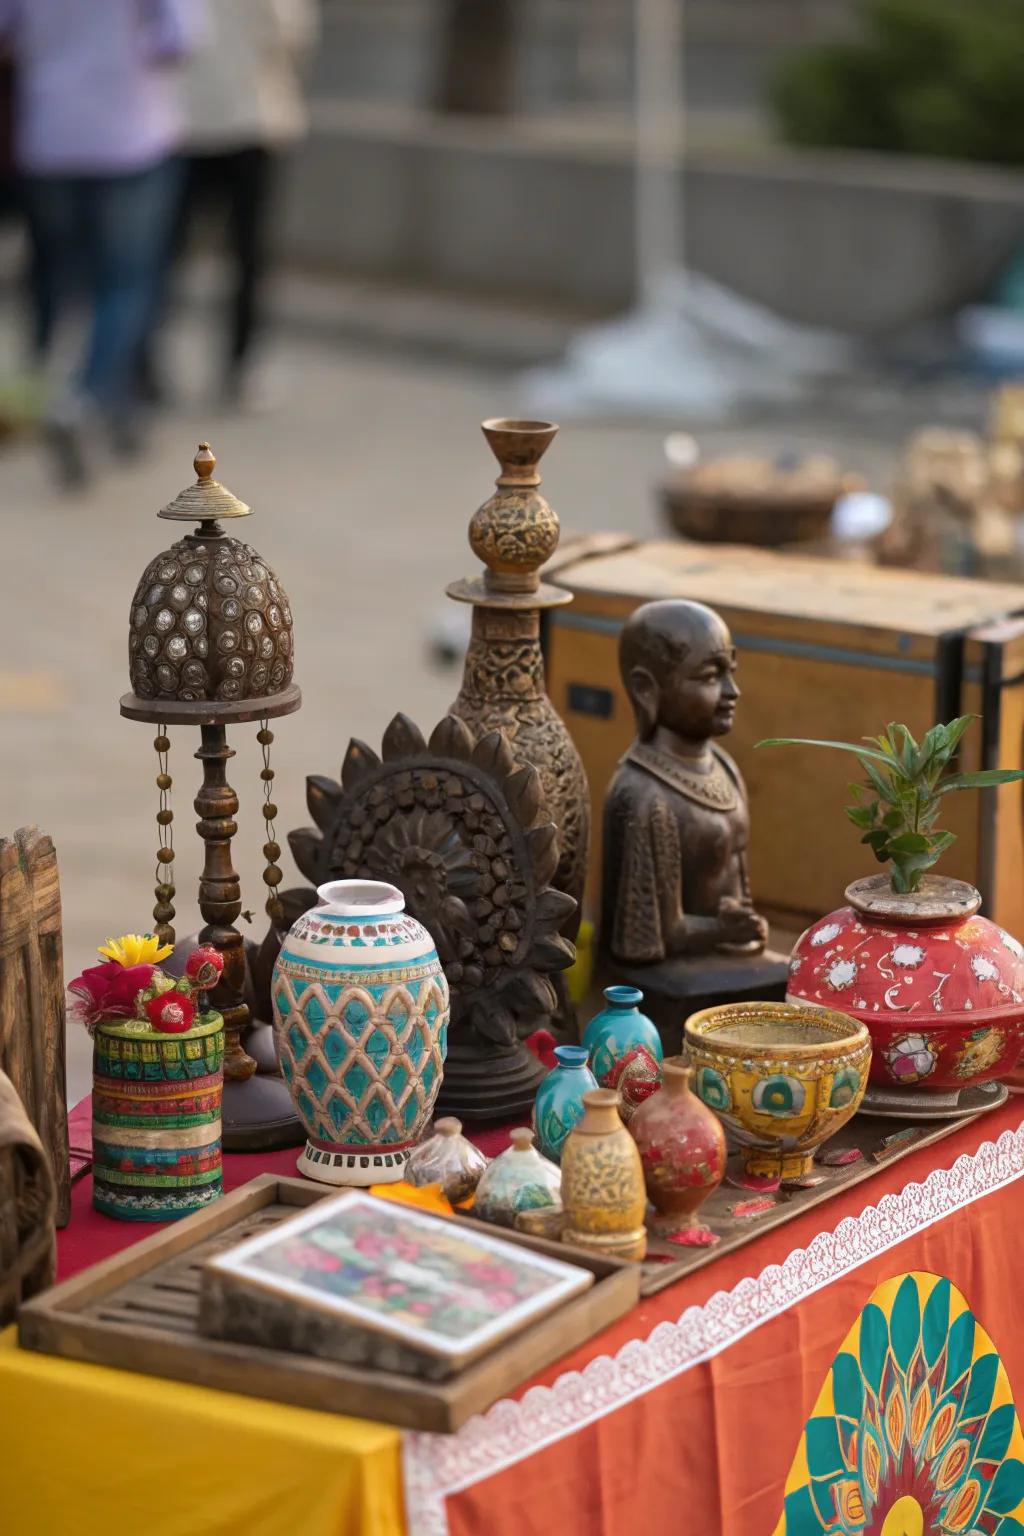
(689, 1414)
(89, 1236)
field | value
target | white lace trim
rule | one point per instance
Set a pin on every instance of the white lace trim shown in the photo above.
(436, 1466)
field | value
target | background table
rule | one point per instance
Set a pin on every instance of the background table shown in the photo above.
(686, 1415)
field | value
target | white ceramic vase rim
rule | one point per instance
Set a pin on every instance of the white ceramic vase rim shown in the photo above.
(361, 898)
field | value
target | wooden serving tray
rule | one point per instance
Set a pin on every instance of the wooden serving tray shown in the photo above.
(871, 1135)
(139, 1311)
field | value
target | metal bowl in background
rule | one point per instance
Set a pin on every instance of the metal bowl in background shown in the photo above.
(749, 500)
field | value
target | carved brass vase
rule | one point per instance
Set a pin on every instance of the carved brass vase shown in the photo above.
(514, 533)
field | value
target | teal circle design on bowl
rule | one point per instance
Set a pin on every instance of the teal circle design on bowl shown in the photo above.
(782, 1096)
(713, 1088)
(845, 1087)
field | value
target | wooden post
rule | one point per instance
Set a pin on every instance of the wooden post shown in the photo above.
(32, 1042)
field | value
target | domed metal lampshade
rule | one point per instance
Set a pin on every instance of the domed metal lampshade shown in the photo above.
(210, 623)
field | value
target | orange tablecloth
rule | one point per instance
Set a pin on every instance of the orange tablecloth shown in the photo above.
(689, 1413)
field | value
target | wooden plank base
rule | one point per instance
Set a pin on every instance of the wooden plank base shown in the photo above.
(139, 1311)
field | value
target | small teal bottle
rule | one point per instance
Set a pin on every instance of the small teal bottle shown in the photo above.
(625, 1047)
(559, 1101)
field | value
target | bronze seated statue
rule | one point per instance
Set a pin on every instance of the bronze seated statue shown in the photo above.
(677, 915)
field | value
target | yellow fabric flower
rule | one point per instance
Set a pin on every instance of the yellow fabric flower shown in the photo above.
(135, 949)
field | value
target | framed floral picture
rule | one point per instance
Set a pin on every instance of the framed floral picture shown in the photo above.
(431, 1284)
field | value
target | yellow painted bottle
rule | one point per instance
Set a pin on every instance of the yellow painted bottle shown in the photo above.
(603, 1182)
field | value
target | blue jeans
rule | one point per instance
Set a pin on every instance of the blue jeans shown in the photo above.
(110, 235)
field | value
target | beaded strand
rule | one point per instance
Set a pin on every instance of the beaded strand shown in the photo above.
(163, 912)
(272, 874)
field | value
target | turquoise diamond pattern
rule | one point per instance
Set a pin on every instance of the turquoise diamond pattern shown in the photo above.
(356, 1081)
(363, 1062)
(376, 1116)
(336, 1048)
(378, 1048)
(420, 1045)
(317, 1078)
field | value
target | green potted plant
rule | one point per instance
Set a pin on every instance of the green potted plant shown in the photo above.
(940, 987)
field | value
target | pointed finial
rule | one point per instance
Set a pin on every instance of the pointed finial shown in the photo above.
(207, 500)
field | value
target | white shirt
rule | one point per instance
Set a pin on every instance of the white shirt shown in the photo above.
(242, 84)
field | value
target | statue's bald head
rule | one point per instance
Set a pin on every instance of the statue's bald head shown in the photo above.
(658, 640)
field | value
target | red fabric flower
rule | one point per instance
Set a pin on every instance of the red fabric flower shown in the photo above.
(204, 967)
(171, 1012)
(109, 991)
(542, 1043)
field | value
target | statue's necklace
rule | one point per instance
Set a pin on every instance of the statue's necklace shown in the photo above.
(715, 790)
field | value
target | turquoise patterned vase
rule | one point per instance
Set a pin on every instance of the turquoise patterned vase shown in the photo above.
(625, 1048)
(559, 1101)
(361, 1024)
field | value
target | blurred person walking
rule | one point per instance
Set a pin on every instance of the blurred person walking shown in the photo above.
(97, 127)
(244, 108)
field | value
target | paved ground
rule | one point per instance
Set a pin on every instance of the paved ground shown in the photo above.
(363, 483)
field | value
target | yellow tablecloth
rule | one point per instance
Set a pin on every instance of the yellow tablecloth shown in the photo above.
(90, 1451)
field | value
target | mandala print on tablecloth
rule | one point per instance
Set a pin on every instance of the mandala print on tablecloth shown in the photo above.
(914, 1431)
(437, 1467)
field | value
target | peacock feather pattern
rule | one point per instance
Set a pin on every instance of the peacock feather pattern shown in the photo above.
(914, 1431)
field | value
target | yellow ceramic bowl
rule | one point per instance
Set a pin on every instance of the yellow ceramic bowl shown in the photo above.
(783, 1077)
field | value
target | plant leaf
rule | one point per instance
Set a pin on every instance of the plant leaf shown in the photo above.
(984, 779)
(933, 743)
(883, 786)
(912, 868)
(955, 729)
(909, 843)
(909, 751)
(941, 841)
(841, 746)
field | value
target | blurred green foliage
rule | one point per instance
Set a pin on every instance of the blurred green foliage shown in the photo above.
(927, 77)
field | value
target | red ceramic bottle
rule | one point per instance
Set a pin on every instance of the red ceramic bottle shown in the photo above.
(682, 1149)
